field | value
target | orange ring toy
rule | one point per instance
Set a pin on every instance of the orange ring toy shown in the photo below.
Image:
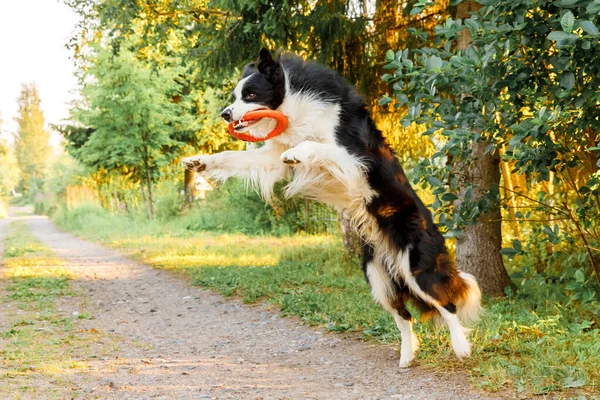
(282, 123)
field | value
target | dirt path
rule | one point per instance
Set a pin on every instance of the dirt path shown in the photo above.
(182, 342)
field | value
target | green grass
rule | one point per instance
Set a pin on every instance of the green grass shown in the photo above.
(43, 345)
(526, 344)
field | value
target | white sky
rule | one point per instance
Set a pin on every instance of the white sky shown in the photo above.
(33, 34)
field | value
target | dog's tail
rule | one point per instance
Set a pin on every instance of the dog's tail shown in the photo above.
(469, 306)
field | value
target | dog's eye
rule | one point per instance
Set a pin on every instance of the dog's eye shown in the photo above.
(250, 96)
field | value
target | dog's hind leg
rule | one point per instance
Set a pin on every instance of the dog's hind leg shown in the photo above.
(444, 294)
(392, 298)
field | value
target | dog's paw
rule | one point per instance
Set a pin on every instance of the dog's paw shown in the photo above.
(407, 351)
(462, 348)
(195, 163)
(304, 153)
(405, 361)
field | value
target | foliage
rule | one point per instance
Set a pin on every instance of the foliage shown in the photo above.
(32, 147)
(232, 208)
(528, 86)
(527, 343)
(9, 170)
(63, 172)
(197, 36)
(136, 123)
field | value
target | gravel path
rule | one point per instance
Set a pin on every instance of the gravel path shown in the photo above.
(181, 342)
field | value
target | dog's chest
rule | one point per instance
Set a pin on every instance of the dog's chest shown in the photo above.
(309, 119)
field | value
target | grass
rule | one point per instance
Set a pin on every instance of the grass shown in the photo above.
(526, 344)
(43, 346)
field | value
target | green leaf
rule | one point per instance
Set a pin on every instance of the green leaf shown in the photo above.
(560, 35)
(593, 8)
(589, 28)
(568, 81)
(402, 98)
(416, 10)
(567, 21)
(389, 56)
(579, 276)
(434, 181)
(434, 63)
(517, 245)
(449, 197)
(589, 295)
(508, 251)
(472, 24)
(385, 100)
(572, 285)
(569, 382)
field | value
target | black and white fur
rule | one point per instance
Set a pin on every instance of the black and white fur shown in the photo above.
(333, 152)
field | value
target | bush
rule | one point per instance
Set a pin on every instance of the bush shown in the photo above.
(168, 201)
(234, 207)
(45, 204)
(84, 215)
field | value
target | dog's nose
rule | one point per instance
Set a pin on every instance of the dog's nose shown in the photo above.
(226, 115)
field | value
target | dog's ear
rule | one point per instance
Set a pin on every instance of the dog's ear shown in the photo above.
(249, 69)
(268, 66)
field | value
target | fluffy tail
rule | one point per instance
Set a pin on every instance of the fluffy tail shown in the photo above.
(469, 307)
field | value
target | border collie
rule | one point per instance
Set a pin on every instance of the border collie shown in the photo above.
(332, 152)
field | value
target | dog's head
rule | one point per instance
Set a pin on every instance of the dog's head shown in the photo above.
(262, 87)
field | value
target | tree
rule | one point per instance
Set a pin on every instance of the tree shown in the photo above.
(32, 145)
(341, 34)
(134, 122)
(526, 88)
(478, 247)
(9, 169)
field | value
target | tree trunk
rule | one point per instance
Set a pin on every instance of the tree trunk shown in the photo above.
(306, 215)
(189, 186)
(144, 197)
(150, 196)
(478, 249)
(117, 203)
(352, 242)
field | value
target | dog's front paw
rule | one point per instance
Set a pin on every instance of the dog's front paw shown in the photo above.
(301, 154)
(195, 163)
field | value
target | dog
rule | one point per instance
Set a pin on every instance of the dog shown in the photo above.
(332, 152)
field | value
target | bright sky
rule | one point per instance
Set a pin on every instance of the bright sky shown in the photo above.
(33, 34)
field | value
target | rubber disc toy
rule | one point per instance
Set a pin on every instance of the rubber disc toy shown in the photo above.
(281, 119)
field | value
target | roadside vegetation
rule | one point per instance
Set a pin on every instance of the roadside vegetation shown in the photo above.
(42, 344)
(532, 342)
